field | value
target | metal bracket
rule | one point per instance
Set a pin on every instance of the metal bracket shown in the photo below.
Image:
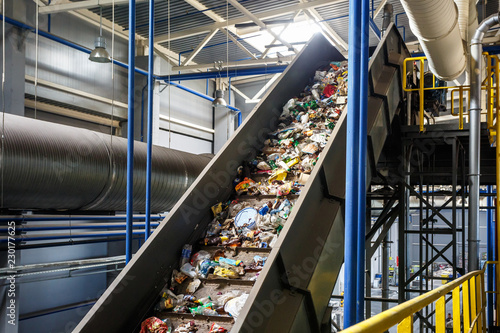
(308, 301)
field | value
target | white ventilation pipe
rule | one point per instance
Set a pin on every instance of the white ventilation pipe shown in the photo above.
(473, 22)
(467, 18)
(467, 22)
(435, 24)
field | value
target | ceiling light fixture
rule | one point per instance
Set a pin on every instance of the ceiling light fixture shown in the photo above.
(219, 101)
(99, 54)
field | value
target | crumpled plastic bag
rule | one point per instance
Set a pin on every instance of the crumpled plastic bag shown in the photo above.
(224, 298)
(155, 325)
(234, 306)
(289, 105)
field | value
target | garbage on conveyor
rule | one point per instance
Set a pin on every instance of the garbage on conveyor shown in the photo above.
(156, 325)
(265, 191)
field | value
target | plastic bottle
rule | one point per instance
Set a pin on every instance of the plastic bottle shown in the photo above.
(186, 254)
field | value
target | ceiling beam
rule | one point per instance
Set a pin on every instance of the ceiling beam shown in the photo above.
(199, 47)
(266, 86)
(217, 18)
(261, 24)
(239, 92)
(379, 8)
(247, 79)
(263, 15)
(201, 7)
(64, 7)
(327, 31)
(265, 53)
(250, 62)
(237, 43)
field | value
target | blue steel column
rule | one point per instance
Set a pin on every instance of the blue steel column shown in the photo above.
(130, 131)
(149, 161)
(490, 231)
(352, 164)
(363, 98)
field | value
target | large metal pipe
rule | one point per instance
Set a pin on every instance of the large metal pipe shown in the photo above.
(150, 116)
(49, 166)
(475, 138)
(490, 246)
(387, 18)
(352, 164)
(362, 132)
(435, 24)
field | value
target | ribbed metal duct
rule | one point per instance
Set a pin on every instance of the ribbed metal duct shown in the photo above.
(435, 23)
(55, 167)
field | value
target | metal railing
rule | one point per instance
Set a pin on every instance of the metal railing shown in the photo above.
(468, 308)
(489, 85)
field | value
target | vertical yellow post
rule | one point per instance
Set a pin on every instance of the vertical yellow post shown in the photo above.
(489, 106)
(497, 213)
(460, 107)
(456, 309)
(440, 315)
(497, 84)
(483, 297)
(479, 304)
(473, 308)
(466, 305)
(421, 93)
(406, 326)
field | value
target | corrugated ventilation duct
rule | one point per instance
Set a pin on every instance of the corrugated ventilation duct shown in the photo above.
(435, 23)
(55, 167)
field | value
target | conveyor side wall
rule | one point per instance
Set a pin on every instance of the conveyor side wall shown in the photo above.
(311, 240)
(131, 295)
(294, 288)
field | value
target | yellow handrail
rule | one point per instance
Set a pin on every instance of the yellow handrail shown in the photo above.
(492, 88)
(474, 304)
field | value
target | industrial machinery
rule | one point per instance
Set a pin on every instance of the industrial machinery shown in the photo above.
(293, 290)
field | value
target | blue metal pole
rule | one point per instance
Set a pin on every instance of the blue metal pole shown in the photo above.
(130, 130)
(120, 226)
(239, 119)
(73, 236)
(490, 231)
(231, 73)
(229, 93)
(363, 113)
(74, 218)
(149, 161)
(352, 165)
(142, 112)
(194, 92)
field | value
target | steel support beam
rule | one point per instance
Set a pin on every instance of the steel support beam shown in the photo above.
(328, 32)
(242, 63)
(261, 24)
(130, 130)
(261, 16)
(237, 43)
(67, 6)
(200, 46)
(352, 165)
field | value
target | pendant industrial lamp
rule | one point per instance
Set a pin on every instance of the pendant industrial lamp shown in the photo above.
(99, 54)
(219, 101)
